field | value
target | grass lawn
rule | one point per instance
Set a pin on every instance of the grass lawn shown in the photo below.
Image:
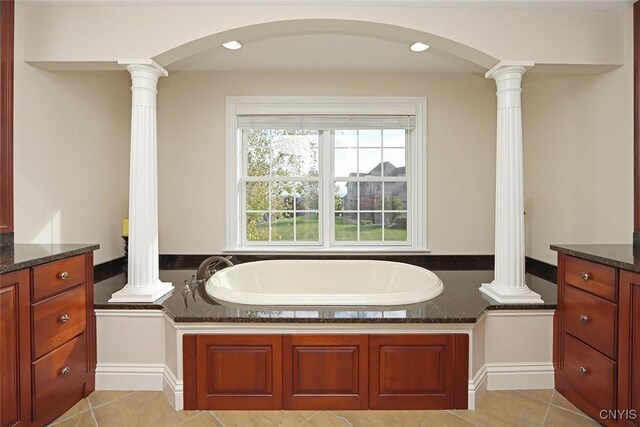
(307, 230)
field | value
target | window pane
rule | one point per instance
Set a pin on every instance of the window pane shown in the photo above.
(256, 142)
(307, 226)
(258, 226)
(294, 153)
(395, 226)
(395, 196)
(282, 195)
(394, 137)
(306, 195)
(345, 196)
(345, 162)
(370, 226)
(281, 226)
(346, 226)
(257, 196)
(394, 162)
(345, 138)
(370, 138)
(370, 161)
(370, 196)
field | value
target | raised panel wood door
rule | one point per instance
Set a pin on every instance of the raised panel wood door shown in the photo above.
(325, 372)
(629, 350)
(15, 382)
(233, 371)
(428, 371)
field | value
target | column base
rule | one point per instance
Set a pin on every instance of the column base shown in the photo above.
(508, 295)
(148, 293)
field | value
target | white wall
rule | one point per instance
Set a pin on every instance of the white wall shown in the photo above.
(578, 152)
(71, 168)
(461, 150)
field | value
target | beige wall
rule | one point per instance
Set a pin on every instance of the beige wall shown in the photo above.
(71, 145)
(578, 151)
(72, 141)
(93, 33)
(191, 150)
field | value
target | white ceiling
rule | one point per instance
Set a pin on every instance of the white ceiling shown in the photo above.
(325, 52)
(546, 4)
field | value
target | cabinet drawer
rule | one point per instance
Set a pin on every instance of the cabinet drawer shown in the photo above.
(58, 319)
(589, 377)
(58, 380)
(591, 319)
(54, 277)
(592, 277)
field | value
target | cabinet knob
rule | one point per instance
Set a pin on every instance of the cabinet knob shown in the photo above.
(64, 318)
(64, 275)
(584, 318)
(583, 371)
(64, 371)
(585, 276)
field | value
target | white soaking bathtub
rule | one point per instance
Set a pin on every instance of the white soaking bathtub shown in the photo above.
(324, 282)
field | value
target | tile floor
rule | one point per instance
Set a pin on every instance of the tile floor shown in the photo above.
(497, 408)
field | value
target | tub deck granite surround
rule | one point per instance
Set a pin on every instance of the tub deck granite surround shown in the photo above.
(459, 302)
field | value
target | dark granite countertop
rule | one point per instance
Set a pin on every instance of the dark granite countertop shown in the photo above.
(460, 302)
(620, 256)
(24, 255)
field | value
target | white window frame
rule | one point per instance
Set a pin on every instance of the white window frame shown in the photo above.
(335, 105)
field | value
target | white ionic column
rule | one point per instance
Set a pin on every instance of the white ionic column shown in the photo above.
(144, 283)
(508, 285)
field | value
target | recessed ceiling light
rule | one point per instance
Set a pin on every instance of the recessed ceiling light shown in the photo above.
(233, 45)
(419, 47)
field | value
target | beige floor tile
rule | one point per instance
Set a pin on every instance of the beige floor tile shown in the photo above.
(263, 418)
(384, 418)
(506, 408)
(99, 398)
(543, 394)
(325, 419)
(203, 419)
(562, 402)
(148, 408)
(562, 418)
(78, 408)
(445, 419)
(84, 419)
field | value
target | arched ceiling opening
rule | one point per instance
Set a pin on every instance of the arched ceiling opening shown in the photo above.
(325, 45)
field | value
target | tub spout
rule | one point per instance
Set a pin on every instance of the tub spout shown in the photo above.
(210, 265)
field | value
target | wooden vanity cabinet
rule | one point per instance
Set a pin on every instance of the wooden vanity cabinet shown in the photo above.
(597, 340)
(47, 328)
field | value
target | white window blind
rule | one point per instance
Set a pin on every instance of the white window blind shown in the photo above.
(326, 122)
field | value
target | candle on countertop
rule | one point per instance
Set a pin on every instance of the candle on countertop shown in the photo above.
(125, 227)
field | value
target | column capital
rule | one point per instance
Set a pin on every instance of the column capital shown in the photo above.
(145, 64)
(504, 67)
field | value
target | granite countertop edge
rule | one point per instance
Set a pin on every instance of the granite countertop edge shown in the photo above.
(54, 256)
(590, 256)
(370, 320)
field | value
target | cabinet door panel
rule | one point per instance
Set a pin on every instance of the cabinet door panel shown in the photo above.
(237, 371)
(325, 371)
(629, 349)
(427, 371)
(15, 383)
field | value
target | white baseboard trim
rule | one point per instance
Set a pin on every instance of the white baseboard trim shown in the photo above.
(519, 376)
(477, 387)
(130, 376)
(173, 389)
